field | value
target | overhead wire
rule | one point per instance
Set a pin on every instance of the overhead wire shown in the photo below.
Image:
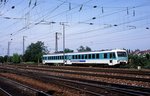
(46, 16)
(109, 26)
(25, 27)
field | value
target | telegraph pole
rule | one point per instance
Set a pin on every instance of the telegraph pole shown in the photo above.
(62, 23)
(23, 44)
(56, 41)
(8, 50)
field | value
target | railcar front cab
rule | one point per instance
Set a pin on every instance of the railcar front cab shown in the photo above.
(122, 57)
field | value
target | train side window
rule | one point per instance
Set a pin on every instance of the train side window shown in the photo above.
(82, 56)
(79, 57)
(97, 56)
(114, 56)
(65, 57)
(89, 56)
(44, 58)
(85, 56)
(111, 55)
(93, 56)
(72, 56)
(105, 55)
(76, 56)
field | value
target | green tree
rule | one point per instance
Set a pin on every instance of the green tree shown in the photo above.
(1, 59)
(34, 52)
(88, 48)
(148, 56)
(67, 50)
(5, 58)
(16, 58)
(84, 49)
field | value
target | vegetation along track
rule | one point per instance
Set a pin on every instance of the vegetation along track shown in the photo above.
(86, 86)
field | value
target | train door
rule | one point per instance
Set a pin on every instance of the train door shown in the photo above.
(110, 58)
(68, 60)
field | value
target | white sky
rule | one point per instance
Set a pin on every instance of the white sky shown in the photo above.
(131, 17)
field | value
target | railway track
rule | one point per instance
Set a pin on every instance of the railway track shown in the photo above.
(89, 87)
(4, 93)
(106, 74)
(92, 69)
(97, 69)
(12, 88)
(133, 78)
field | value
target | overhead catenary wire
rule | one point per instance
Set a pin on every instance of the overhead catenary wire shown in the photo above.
(23, 28)
(49, 17)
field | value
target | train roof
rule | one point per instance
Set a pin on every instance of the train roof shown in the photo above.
(98, 51)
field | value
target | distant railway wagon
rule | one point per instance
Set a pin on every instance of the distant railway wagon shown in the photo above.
(109, 57)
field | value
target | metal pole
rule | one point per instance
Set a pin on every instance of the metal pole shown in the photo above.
(56, 43)
(8, 50)
(63, 43)
(23, 44)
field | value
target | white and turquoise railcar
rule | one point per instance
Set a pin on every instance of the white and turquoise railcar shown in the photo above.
(111, 57)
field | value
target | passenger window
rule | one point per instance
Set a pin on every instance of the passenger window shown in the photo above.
(65, 57)
(79, 57)
(82, 56)
(114, 56)
(93, 56)
(105, 55)
(73, 57)
(97, 56)
(111, 55)
(76, 56)
(89, 56)
(85, 56)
